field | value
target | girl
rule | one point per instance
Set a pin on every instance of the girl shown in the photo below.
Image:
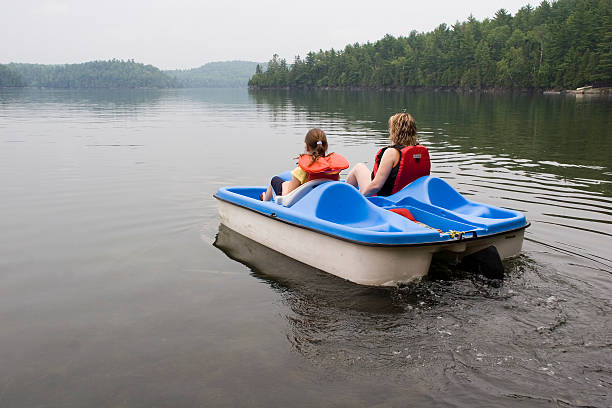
(312, 165)
(395, 166)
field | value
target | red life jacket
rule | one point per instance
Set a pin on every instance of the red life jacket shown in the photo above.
(413, 163)
(404, 212)
(328, 167)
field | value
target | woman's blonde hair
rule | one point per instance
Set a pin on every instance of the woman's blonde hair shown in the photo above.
(403, 130)
(317, 143)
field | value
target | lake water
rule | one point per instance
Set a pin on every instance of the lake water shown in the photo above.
(119, 288)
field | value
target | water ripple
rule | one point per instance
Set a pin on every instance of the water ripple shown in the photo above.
(106, 262)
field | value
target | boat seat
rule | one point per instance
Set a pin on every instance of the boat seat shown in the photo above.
(293, 197)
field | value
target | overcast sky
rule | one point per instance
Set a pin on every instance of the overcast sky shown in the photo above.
(190, 33)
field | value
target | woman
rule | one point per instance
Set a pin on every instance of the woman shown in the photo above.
(395, 166)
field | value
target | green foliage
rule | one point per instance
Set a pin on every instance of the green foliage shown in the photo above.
(229, 74)
(562, 44)
(9, 78)
(95, 74)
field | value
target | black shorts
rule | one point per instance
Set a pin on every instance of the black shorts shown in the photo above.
(277, 185)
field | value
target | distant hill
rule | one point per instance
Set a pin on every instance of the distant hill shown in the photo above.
(227, 74)
(94, 74)
(127, 74)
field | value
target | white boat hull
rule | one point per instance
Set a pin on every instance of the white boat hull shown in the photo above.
(383, 265)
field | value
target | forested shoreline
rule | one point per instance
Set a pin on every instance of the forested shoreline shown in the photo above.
(94, 74)
(558, 45)
(10, 78)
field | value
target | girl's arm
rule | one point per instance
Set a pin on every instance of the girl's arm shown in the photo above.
(289, 186)
(390, 157)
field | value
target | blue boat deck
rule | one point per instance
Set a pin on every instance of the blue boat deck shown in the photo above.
(338, 209)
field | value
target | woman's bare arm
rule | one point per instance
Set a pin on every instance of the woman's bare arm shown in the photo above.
(390, 157)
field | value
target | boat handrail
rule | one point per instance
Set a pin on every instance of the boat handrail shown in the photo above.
(289, 199)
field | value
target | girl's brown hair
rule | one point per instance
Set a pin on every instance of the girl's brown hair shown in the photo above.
(316, 149)
(403, 129)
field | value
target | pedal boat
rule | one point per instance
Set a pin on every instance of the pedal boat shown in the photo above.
(331, 226)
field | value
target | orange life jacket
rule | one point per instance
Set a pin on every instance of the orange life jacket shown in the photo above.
(328, 167)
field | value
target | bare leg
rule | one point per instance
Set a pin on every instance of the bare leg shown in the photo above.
(359, 176)
(268, 194)
(289, 186)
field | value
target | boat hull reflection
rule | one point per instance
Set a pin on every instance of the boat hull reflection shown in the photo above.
(304, 281)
